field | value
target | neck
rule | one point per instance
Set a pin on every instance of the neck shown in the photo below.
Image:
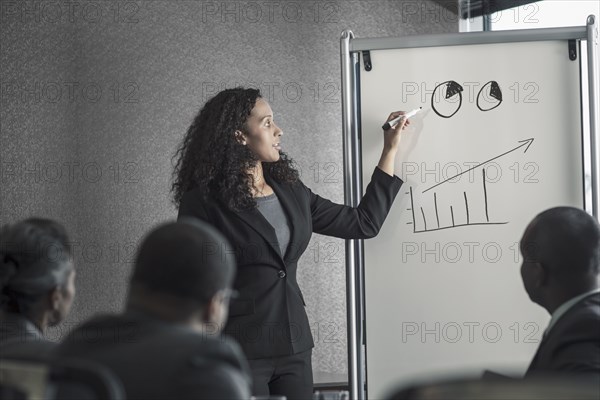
(40, 314)
(258, 179)
(189, 320)
(40, 320)
(165, 307)
(564, 295)
(257, 173)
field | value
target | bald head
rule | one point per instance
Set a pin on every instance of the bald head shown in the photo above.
(565, 238)
(189, 260)
(561, 251)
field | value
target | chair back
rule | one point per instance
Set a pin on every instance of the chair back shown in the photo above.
(57, 379)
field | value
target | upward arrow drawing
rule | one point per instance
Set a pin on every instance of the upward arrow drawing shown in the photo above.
(526, 142)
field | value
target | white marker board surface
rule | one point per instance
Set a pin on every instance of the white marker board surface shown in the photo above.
(443, 291)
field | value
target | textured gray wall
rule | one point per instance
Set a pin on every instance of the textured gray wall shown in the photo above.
(96, 95)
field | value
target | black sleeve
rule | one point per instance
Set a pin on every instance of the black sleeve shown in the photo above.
(363, 221)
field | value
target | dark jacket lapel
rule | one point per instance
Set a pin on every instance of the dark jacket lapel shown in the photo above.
(290, 207)
(259, 223)
(554, 334)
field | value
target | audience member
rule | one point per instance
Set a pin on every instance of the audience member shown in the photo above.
(36, 285)
(561, 258)
(167, 343)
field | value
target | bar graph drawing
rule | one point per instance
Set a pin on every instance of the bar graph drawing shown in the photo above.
(423, 221)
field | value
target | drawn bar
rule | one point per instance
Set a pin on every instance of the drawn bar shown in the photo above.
(487, 217)
(412, 206)
(437, 217)
(466, 207)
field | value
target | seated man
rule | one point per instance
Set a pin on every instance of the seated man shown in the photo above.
(37, 279)
(166, 345)
(561, 258)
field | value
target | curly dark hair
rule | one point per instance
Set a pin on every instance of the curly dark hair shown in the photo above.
(211, 158)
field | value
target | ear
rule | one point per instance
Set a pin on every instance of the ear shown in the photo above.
(54, 298)
(211, 310)
(216, 310)
(541, 274)
(240, 137)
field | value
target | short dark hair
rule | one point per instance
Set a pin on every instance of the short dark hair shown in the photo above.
(35, 258)
(566, 237)
(188, 259)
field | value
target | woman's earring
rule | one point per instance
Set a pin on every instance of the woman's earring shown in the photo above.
(238, 136)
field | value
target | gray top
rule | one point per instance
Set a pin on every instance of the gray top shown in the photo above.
(270, 207)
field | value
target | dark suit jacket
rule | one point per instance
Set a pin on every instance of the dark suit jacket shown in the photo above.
(268, 318)
(21, 339)
(155, 359)
(573, 343)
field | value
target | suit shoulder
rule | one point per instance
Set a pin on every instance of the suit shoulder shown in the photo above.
(588, 309)
(195, 195)
(197, 204)
(592, 302)
(220, 362)
(27, 349)
(94, 330)
(581, 322)
(297, 187)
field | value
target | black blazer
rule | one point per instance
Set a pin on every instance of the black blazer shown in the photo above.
(155, 359)
(573, 343)
(268, 318)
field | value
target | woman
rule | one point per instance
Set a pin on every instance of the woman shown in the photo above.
(231, 172)
(36, 285)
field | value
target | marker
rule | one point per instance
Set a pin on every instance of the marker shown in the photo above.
(395, 121)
